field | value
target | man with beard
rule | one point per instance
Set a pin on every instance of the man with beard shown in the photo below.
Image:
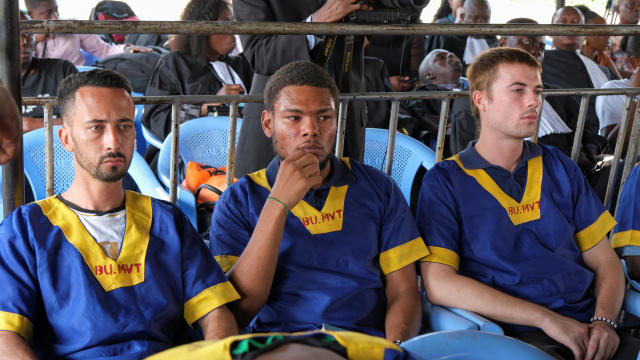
(515, 232)
(97, 271)
(314, 241)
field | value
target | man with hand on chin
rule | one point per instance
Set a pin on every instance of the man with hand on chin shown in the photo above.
(314, 241)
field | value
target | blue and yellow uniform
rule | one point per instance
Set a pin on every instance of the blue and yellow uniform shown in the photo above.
(522, 233)
(65, 295)
(626, 235)
(338, 244)
(350, 345)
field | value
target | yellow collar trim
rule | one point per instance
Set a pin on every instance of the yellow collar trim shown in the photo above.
(528, 209)
(327, 220)
(128, 270)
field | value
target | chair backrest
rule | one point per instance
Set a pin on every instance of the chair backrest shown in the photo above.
(203, 140)
(64, 171)
(410, 154)
(469, 344)
(141, 142)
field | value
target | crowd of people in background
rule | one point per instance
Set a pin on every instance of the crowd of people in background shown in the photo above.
(505, 227)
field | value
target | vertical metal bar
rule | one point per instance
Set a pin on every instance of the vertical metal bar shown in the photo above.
(442, 128)
(231, 148)
(343, 105)
(175, 151)
(622, 131)
(534, 138)
(391, 141)
(12, 171)
(582, 118)
(632, 150)
(48, 149)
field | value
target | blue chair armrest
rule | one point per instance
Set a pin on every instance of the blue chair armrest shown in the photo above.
(187, 203)
(483, 323)
(151, 138)
(442, 319)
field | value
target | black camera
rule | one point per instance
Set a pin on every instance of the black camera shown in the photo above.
(389, 12)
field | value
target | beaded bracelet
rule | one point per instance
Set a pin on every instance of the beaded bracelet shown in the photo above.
(604, 319)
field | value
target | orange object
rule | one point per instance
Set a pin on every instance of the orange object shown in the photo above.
(206, 182)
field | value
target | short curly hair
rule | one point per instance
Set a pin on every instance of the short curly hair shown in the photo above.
(297, 73)
(198, 10)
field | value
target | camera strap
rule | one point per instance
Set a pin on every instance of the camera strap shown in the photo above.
(322, 54)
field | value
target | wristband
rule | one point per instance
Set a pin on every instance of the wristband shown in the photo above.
(604, 319)
(283, 204)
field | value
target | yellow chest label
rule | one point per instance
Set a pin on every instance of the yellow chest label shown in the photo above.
(528, 209)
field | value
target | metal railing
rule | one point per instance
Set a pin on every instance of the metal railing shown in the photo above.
(275, 28)
(344, 99)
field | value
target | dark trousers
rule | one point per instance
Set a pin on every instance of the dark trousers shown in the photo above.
(627, 350)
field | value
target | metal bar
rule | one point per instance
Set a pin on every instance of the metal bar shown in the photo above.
(343, 106)
(617, 152)
(391, 141)
(12, 171)
(175, 151)
(582, 118)
(389, 96)
(632, 150)
(534, 138)
(442, 128)
(305, 28)
(231, 148)
(48, 149)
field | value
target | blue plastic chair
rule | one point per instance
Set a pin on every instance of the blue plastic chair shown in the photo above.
(203, 140)
(150, 137)
(468, 345)
(141, 142)
(409, 156)
(35, 168)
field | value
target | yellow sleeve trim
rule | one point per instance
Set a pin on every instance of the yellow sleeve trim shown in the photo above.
(443, 256)
(209, 299)
(624, 238)
(226, 262)
(402, 255)
(16, 323)
(593, 233)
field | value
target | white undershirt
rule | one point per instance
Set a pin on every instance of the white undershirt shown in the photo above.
(227, 74)
(106, 229)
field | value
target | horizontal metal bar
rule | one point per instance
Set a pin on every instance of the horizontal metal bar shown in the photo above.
(382, 96)
(303, 28)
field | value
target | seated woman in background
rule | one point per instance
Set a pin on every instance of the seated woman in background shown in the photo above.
(199, 65)
(597, 48)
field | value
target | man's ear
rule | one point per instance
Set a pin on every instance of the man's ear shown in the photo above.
(64, 133)
(267, 123)
(479, 98)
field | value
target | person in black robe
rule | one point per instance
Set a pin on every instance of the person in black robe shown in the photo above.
(474, 12)
(439, 71)
(267, 53)
(191, 70)
(564, 68)
(40, 77)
